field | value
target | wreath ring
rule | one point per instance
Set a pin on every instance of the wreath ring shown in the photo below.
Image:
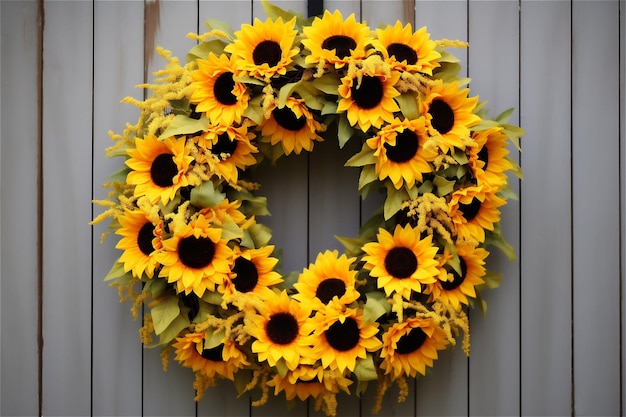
(185, 206)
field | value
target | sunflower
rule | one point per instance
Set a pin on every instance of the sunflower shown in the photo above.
(408, 50)
(252, 273)
(216, 92)
(228, 150)
(402, 262)
(293, 126)
(474, 210)
(329, 277)
(331, 39)
(449, 114)
(309, 381)
(488, 159)
(459, 286)
(367, 94)
(195, 258)
(280, 331)
(158, 167)
(410, 346)
(224, 359)
(141, 239)
(401, 155)
(264, 49)
(341, 336)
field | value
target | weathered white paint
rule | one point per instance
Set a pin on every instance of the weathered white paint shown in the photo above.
(551, 339)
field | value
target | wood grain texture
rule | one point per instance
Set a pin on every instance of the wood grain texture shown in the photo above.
(19, 155)
(493, 66)
(67, 266)
(118, 67)
(595, 263)
(546, 235)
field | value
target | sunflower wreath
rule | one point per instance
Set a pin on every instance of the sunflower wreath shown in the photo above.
(185, 206)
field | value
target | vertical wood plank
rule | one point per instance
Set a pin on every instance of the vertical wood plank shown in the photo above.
(445, 391)
(546, 218)
(493, 66)
(167, 23)
(596, 243)
(18, 226)
(118, 67)
(622, 184)
(67, 150)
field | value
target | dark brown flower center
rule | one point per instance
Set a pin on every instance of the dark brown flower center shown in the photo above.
(282, 328)
(483, 155)
(267, 52)
(411, 341)
(400, 262)
(223, 89)
(470, 210)
(402, 52)
(224, 147)
(144, 238)
(247, 275)
(329, 288)
(443, 116)
(343, 336)
(456, 278)
(369, 94)
(196, 252)
(214, 354)
(405, 149)
(287, 119)
(163, 170)
(341, 44)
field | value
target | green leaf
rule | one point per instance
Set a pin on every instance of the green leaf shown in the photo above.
(495, 238)
(375, 306)
(204, 49)
(155, 287)
(212, 297)
(505, 115)
(260, 234)
(286, 92)
(183, 125)
(365, 370)
(444, 186)
(120, 175)
(206, 195)
(364, 157)
(492, 280)
(281, 367)
(214, 338)
(180, 323)
(164, 313)
(274, 12)
(241, 381)
(344, 131)
(328, 84)
(352, 245)
(116, 271)
(217, 24)
(231, 230)
(394, 200)
(368, 175)
(408, 105)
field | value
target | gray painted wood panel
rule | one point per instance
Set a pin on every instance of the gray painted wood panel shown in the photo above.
(550, 343)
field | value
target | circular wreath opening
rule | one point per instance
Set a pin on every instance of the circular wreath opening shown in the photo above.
(186, 207)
